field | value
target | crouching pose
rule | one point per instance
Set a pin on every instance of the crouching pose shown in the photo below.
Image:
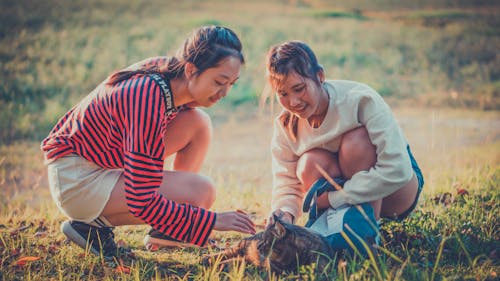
(106, 155)
(346, 129)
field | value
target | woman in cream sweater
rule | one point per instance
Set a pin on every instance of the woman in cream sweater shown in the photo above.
(347, 129)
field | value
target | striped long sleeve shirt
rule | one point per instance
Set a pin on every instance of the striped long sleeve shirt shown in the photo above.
(123, 126)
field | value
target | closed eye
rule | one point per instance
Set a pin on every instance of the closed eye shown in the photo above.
(218, 83)
(300, 89)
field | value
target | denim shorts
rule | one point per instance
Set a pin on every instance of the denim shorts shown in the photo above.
(420, 179)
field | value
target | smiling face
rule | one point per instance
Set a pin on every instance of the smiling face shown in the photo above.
(302, 96)
(211, 85)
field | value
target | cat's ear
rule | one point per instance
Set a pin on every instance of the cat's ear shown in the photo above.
(276, 218)
(279, 229)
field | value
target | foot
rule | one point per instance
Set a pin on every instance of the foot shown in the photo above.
(155, 240)
(99, 240)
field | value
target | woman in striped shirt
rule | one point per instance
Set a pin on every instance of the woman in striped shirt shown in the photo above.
(105, 156)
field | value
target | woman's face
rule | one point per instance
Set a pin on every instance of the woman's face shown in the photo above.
(300, 95)
(214, 83)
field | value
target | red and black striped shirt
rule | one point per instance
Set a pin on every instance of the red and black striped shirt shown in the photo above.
(123, 126)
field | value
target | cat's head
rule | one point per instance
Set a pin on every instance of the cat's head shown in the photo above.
(273, 234)
(277, 230)
(276, 242)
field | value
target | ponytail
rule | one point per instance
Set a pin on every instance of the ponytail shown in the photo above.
(205, 48)
(169, 68)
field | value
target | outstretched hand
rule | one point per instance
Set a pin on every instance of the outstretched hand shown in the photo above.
(234, 220)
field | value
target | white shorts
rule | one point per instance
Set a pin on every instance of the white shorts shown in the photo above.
(81, 188)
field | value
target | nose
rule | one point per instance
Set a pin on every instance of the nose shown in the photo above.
(223, 92)
(294, 101)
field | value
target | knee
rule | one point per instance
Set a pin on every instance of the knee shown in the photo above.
(194, 123)
(356, 152)
(201, 120)
(307, 171)
(207, 192)
(356, 144)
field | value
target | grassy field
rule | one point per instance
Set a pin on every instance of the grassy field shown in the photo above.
(436, 62)
(454, 239)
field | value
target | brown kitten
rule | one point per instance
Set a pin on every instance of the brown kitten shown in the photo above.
(282, 247)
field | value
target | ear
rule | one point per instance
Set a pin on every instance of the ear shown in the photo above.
(279, 230)
(190, 70)
(321, 75)
(276, 218)
(272, 222)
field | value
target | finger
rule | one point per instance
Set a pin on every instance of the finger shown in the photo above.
(241, 227)
(244, 218)
(246, 224)
(240, 211)
(249, 224)
(247, 219)
(287, 218)
(251, 228)
(278, 213)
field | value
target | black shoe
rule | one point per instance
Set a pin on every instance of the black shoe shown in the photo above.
(155, 240)
(99, 240)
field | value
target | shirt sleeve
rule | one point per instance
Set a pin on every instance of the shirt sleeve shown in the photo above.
(287, 192)
(392, 169)
(143, 112)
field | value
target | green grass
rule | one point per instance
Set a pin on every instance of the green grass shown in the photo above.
(355, 14)
(428, 54)
(53, 53)
(455, 240)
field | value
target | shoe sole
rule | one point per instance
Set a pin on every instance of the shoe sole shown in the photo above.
(152, 243)
(75, 237)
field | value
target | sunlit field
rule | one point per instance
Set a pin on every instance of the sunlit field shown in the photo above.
(435, 62)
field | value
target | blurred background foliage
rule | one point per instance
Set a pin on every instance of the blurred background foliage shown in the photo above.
(427, 52)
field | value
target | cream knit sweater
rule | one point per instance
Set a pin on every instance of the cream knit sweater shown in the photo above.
(351, 105)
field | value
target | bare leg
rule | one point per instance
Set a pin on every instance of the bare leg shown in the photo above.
(181, 187)
(356, 154)
(401, 200)
(307, 172)
(306, 166)
(188, 136)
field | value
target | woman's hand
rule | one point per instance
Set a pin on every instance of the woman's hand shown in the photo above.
(285, 217)
(236, 221)
(322, 201)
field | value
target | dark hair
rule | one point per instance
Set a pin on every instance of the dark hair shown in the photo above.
(205, 48)
(284, 58)
(291, 56)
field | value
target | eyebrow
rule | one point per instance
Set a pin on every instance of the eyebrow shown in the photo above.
(228, 78)
(298, 85)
